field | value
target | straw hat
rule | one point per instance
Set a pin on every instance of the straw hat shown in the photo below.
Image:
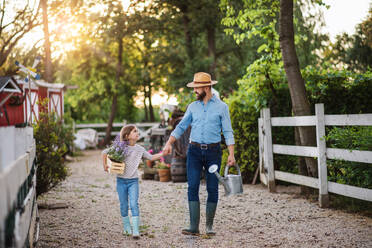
(201, 79)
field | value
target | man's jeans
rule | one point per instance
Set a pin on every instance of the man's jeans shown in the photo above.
(128, 188)
(197, 158)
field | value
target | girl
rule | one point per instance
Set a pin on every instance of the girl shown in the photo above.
(127, 183)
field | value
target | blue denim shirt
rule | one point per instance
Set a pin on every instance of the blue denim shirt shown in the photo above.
(207, 121)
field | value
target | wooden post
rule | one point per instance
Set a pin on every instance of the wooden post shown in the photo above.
(263, 178)
(322, 159)
(268, 149)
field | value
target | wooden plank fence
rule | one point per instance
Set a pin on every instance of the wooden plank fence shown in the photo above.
(266, 150)
(143, 128)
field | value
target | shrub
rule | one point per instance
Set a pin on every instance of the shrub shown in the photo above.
(265, 85)
(50, 136)
(346, 172)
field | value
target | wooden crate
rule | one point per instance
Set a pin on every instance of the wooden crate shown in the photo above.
(115, 167)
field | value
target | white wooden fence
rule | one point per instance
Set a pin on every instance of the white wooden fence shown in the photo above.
(143, 128)
(266, 150)
(18, 187)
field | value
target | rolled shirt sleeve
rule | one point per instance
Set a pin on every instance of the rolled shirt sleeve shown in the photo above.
(183, 125)
(226, 127)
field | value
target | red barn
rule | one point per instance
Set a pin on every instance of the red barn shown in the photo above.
(19, 107)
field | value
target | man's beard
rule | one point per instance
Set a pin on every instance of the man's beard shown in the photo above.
(201, 96)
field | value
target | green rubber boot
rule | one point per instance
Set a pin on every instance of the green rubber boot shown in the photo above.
(135, 221)
(194, 211)
(127, 227)
(210, 212)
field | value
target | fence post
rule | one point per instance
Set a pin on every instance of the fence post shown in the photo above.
(261, 149)
(268, 149)
(322, 159)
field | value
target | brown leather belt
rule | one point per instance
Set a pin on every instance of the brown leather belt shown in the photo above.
(204, 146)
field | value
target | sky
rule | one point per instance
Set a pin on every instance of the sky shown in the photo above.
(343, 15)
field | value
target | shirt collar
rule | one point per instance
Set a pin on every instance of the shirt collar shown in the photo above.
(213, 99)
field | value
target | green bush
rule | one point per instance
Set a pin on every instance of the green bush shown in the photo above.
(51, 137)
(346, 172)
(265, 85)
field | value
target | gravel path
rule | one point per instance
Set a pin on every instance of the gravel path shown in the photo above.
(256, 218)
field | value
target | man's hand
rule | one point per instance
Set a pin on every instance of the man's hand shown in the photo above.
(168, 146)
(231, 157)
(167, 149)
(231, 160)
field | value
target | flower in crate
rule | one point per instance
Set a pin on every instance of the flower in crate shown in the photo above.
(118, 151)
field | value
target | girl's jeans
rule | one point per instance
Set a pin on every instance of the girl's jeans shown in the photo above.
(128, 188)
(197, 158)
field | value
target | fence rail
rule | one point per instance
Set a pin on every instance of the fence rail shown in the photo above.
(144, 128)
(266, 150)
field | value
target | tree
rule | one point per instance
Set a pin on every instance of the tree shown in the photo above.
(14, 28)
(258, 20)
(300, 103)
(355, 50)
(48, 73)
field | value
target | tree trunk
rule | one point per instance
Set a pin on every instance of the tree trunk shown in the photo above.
(144, 103)
(301, 163)
(151, 109)
(296, 84)
(115, 95)
(212, 49)
(187, 32)
(111, 119)
(48, 74)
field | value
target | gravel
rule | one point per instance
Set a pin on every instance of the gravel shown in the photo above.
(256, 218)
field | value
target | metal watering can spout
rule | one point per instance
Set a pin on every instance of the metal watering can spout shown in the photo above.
(233, 184)
(213, 169)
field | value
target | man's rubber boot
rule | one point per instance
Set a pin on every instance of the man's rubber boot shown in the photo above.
(194, 211)
(127, 227)
(210, 212)
(135, 222)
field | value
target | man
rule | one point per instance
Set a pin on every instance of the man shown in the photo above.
(207, 117)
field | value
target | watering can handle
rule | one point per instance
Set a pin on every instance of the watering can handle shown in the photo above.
(227, 169)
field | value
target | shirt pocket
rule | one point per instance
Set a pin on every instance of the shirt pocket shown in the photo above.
(214, 117)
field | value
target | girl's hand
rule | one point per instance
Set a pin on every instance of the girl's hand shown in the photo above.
(105, 166)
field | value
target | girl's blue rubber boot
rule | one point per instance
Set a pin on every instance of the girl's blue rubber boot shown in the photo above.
(135, 221)
(126, 224)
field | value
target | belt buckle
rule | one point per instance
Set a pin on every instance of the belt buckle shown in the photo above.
(203, 146)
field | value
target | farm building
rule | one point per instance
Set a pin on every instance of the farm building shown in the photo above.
(18, 110)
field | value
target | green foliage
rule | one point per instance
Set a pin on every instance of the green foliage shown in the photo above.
(346, 172)
(353, 50)
(265, 85)
(51, 137)
(341, 91)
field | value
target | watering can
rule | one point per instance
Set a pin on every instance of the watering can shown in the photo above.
(232, 183)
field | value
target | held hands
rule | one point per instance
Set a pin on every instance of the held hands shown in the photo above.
(167, 149)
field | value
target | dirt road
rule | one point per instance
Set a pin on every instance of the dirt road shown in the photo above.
(256, 218)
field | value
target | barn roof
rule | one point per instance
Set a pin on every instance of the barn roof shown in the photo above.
(9, 84)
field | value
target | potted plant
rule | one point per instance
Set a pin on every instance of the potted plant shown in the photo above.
(116, 155)
(163, 171)
(149, 163)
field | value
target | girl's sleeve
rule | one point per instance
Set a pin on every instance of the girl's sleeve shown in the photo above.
(146, 154)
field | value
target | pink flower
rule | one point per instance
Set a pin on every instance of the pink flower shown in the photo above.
(150, 151)
(162, 159)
